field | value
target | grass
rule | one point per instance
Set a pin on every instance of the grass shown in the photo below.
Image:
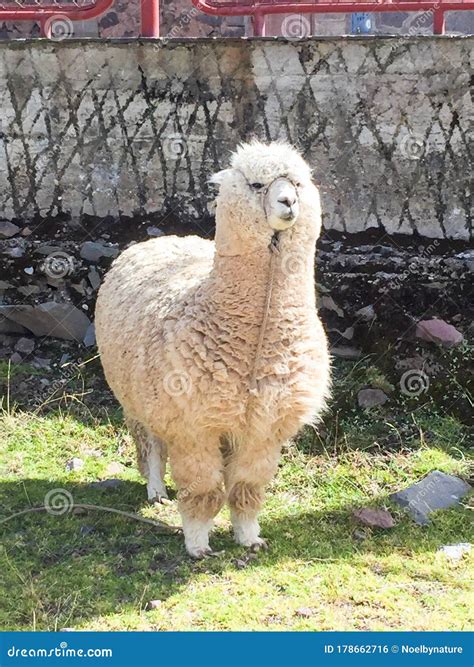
(323, 571)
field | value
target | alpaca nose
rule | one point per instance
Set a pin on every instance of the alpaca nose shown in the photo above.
(287, 200)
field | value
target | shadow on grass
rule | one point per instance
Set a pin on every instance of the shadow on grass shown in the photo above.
(58, 570)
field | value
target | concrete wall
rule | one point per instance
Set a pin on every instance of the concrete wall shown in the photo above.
(97, 128)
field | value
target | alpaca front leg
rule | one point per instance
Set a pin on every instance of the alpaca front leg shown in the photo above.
(198, 475)
(249, 470)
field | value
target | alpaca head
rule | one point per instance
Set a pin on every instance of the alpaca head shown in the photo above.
(267, 189)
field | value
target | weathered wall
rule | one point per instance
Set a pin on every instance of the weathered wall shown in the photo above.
(135, 128)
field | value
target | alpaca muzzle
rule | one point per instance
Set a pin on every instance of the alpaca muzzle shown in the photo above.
(281, 204)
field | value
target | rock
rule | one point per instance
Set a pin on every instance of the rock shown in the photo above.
(89, 338)
(41, 362)
(8, 229)
(74, 464)
(106, 484)
(328, 303)
(114, 468)
(344, 352)
(369, 398)
(4, 285)
(93, 251)
(26, 231)
(304, 612)
(29, 270)
(94, 278)
(153, 604)
(439, 331)
(9, 327)
(58, 320)
(377, 518)
(154, 231)
(86, 530)
(14, 251)
(28, 290)
(25, 345)
(16, 358)
(455, 551)
(367, 313)
(359, 535)
(435, 491)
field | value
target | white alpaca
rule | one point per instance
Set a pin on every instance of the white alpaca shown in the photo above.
(215, 350)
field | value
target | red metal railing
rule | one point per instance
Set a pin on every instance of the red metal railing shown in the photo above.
(258, 9)
(59, 13)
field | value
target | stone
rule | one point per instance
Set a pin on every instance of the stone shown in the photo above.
(29, 270)
(367, 313)
(369, 398)
(153, 604)
(89, 338)
(8, 229)
(93, 251)
(114, 468)
(16, 358)
(377, 518)
(94, 278)
(304, 612)
(154, 231)
(435, 491)
(455, 551)
(328, 303)
(41, 362)
(9, 327)
(58, 320)
(344, 352)
(439, 331)
(28, 290)
(5, 285)
(25, 345)
(74, 464)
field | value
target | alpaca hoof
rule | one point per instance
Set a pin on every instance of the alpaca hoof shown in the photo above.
(159, 500)
(259, 545)
(201, 552)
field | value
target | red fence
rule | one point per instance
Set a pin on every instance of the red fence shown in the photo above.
(259, 9)
(56, 17)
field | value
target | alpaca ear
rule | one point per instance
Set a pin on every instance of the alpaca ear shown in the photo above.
(218, 177)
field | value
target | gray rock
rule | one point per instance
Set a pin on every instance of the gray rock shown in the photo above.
(4, 285)
(25, 345)
(41, 362)
(328, 303)
(15, 251)
(455, 551)
(16, 358)
(367, 313)
(8, 229)
(9, 327)
(439, 331)
(114, 468)
(28, 290)
(92, 251)
(94, 278)
(377, 518)
(154, 604)
(154, 231)
(343, 352)
(58, 320)
(89, 338)
(435, 491)
(74, 464)
(369, 398)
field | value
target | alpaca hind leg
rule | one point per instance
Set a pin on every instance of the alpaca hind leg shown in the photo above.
(250, 468)
(197, 469)
(151, 456)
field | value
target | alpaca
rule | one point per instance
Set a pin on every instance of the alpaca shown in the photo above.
(215, 349)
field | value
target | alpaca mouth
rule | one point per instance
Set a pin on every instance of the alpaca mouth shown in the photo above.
(288, 216)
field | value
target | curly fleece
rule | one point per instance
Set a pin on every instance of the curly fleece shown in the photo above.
(178, 322)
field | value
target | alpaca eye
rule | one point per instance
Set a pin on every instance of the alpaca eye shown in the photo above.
(256, 186)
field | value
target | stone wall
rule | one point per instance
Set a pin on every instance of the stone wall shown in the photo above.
(133, 129)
